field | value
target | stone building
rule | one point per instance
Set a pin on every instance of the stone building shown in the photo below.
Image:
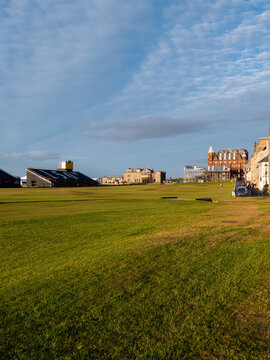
(235, 158)
(144, 176)
(257, 168)
(112, 180)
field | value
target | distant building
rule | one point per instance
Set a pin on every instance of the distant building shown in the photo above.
(174, 180)
(62, 177)
(235, 158)
(111, 180)
(193, 174)
(219, 173)
(8, 181)
(143, 176)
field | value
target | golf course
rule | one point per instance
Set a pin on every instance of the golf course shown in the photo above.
(134, 272)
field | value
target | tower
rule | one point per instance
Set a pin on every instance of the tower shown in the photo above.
(210, 155)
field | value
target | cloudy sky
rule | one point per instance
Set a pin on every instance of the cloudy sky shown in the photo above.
(113, 84)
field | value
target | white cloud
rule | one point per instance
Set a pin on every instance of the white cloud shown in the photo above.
(56, 36)
(213, 52)
(57, 57)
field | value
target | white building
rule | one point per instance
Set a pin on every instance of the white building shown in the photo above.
(262, 173)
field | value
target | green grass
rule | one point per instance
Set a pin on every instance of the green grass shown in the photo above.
(118, 273)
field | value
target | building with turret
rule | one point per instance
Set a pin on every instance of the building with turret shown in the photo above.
(234, 159)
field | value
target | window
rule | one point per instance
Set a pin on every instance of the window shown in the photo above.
(33, 183)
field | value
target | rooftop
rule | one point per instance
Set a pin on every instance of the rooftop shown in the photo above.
(63, 177)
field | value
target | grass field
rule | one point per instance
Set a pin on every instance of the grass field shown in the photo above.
(118, 273)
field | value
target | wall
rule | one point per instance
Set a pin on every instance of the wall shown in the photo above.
(256, 165)
(34, 180)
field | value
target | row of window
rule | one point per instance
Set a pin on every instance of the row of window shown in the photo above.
(226, 162)
(229, 157)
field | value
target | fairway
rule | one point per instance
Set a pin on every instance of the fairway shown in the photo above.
(119, 273)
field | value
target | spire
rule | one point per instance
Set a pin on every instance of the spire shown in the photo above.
(211, 150)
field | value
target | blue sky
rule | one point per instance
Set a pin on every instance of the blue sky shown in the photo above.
(113, 84)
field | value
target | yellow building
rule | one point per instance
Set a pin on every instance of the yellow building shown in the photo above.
(144, 176)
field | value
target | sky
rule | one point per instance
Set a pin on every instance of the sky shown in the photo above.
(112, 84)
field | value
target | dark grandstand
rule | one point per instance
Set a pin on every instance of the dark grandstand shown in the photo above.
(57, 178)
(8, 181)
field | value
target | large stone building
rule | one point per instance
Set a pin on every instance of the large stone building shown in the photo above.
(235, 158)
(257, 168)
(144, 176)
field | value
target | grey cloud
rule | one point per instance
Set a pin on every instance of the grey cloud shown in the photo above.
(31, 155)
(145, 127)
(263, 115)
